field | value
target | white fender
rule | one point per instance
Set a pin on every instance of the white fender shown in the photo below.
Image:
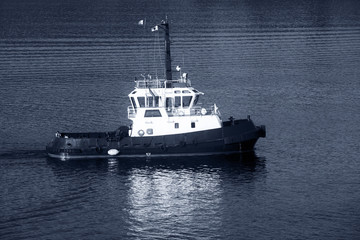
(113, 152)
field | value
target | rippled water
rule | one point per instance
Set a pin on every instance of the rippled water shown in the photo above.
(293, 66)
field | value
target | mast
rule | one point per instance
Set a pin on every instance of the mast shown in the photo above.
(168, 72)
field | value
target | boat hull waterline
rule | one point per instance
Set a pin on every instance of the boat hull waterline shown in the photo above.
(233, 137)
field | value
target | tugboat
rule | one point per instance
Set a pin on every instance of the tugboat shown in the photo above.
(167, 120)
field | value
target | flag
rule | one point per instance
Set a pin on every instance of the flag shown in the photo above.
(141, 22)
(155, 28)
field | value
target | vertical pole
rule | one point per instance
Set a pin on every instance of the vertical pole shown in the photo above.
(168, 72)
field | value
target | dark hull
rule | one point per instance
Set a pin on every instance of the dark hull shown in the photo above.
(235, 136)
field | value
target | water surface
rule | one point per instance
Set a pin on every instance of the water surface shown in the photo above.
(292, 66)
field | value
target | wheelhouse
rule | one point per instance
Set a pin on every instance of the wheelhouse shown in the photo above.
(157, 109)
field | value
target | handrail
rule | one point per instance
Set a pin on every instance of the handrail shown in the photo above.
(182, 112)
(160, 83)
(131, 112)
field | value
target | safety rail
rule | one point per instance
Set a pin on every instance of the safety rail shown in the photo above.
(182, 112)
(131, 112)
(161, 83)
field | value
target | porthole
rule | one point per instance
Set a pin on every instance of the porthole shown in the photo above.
(141, 133)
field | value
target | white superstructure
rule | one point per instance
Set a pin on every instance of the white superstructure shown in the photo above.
(166, 107)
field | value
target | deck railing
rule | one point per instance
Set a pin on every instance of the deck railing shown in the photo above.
(131, 112)
(181, 112)
(161, 83)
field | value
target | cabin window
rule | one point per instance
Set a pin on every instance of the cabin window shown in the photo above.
(177, 91)
(141, 101)
(176, 125)
(169, 102)
(152, 102)
(185, 91)
(149, 101)
(149, 131)
(133, 102)
(192, 125)
(152, 113)
(156, 101)
(178, 101)
(186, 101)
(196, 99)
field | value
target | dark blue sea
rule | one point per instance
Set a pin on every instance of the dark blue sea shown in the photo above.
(293, 66)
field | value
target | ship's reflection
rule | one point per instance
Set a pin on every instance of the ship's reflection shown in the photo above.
(172, 193)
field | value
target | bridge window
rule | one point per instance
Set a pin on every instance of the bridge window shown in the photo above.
(177, 101)
(196, 99)
(152, 113)
(141, 101)
(156, 101)
(169, 102)
(149, 101)
(133, 102)
(186, 100)
(152, 102)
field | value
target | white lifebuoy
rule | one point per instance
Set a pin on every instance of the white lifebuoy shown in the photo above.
(203, 111)
(181, 113)
(113, 152)
(141, 133)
